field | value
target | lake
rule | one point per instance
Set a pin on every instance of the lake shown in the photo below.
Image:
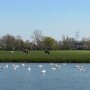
(44, 76)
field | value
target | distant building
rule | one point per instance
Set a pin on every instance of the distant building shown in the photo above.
(79, 46)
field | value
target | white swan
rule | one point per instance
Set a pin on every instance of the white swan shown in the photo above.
(15, 67)
(6, 66)
(29, 68)
(40, 66)
(43, 71)
(53, 68)
(23, 65)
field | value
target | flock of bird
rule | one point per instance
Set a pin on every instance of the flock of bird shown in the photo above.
(54, 66)
(81, 68)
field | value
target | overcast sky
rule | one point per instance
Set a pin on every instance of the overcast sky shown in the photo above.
(53, 17)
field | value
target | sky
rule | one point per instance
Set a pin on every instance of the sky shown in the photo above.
(53, 17)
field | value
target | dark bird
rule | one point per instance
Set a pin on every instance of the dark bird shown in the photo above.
(46, 51)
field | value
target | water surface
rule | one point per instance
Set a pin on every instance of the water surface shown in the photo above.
(56, 77)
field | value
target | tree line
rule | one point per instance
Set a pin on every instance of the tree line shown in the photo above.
(41, 42)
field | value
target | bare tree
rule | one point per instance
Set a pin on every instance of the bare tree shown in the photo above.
(37, 38)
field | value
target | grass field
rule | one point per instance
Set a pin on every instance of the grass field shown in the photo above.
(68, 56)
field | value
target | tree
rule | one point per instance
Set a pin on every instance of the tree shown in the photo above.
(19, 43)
(37, 38)
(67, 42)
(50, 43)
(8, 42)
(27, 45)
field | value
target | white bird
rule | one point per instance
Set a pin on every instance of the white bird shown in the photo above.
(77, 66)
(29, 68)
(40, 66)
(53, 68)
(23, 65)
(59, 66)
(43, 71)
(56, 65)
(6, 66)
(64, 63)
(15, 67)
(51, 63)
(82, 69)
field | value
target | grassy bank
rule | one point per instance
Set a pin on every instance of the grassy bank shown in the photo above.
(40, 56)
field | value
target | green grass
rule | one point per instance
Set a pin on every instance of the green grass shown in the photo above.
(69, 56)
